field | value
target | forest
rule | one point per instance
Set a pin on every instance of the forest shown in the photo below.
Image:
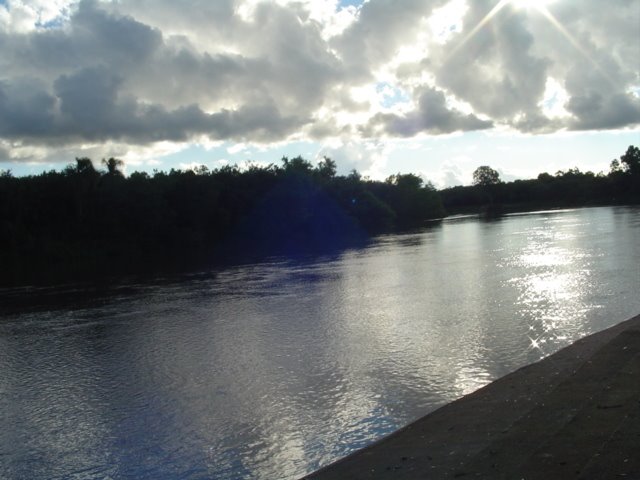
(570, 188)
(96, 223)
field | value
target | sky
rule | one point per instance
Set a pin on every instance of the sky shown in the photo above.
(432, 87)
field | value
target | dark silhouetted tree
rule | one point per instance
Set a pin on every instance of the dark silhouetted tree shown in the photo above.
(326, 168)
(83, 166)
(408, 181)
(114, 166)
(631, 160)
(615, 167)
(354, 175)
(411, 200)
(201, 170)
(296, 165)
(485, 175)
(487, 179)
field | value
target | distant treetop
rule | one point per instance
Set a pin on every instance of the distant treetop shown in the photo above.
(486, 175)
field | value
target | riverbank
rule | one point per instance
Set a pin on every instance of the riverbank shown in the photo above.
(575, 414)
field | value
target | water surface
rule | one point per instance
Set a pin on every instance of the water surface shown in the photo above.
(272, 370)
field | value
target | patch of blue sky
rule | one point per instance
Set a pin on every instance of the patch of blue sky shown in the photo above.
(391, 95)
(350, 3)
(448, 20)
(445, 31)
(21, 169)
(57, 22)
(553, 102)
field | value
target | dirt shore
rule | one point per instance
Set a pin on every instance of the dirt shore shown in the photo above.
(573, 415)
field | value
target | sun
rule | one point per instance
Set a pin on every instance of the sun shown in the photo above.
(531, 4)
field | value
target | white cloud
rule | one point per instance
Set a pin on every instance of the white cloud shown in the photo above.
(22, 16)
(237, 148)
(189, 166)
(432, 115)
(368, 158)
(450, 176)
(446, 21)
(458, 170)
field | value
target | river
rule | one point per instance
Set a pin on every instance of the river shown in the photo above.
(272, 370)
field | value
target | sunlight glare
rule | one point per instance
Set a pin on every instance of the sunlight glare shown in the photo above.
(541, 7)
(488, 17)
(563, 31)
(535, 344)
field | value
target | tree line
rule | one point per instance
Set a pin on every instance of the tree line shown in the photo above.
(566, 188)
(85, 222)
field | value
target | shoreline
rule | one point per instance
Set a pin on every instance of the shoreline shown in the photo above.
(100, 272)
(574, 414)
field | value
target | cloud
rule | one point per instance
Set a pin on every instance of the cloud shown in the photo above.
(137, 73)
(503, 69)
(496, 71)
(90, 107)
(381, 29)
(24, 15)
(595, 111)
(451, 175)
(368, 158)
(4, 154)
(26, 109)
(432, 115)
(107, 99)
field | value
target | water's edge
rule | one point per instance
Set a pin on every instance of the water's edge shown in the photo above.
(435, 444)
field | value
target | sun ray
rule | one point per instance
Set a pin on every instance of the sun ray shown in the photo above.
(488, 17)
(563, 31)
(541, 6)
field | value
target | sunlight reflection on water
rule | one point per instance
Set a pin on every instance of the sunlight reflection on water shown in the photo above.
(275, 369)
(556, 288)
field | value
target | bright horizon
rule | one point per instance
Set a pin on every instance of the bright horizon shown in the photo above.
(436, 88)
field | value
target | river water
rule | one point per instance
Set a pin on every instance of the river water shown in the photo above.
(272, 370)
